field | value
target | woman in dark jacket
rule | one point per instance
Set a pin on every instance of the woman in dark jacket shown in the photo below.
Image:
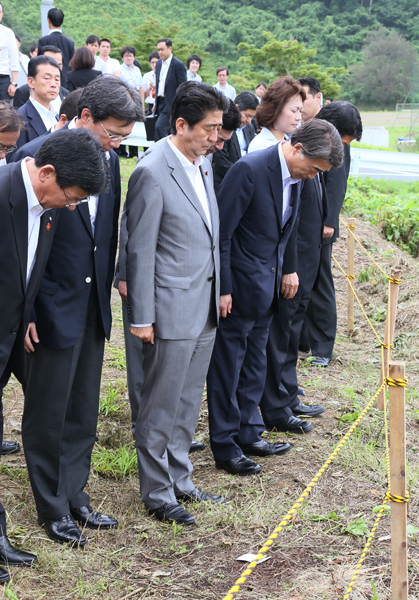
(82, 71)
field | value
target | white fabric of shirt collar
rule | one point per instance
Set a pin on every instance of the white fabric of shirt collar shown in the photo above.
(47, 115)
(287, 180)
(167, 61)
(35, 212)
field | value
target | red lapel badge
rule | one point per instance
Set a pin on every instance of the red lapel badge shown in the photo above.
(48, 226)
(206, 173)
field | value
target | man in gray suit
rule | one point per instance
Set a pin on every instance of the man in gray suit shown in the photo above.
(173, 290)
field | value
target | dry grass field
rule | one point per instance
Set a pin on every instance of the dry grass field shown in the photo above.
(315, 557)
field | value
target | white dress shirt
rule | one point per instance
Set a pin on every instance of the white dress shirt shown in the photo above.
(163, 74)
(131, 76)
(194, 174)
(265, 139)
(107, 67)
(9, 54)
(192, 77)
(228, 90)
(35, 212)
(287, 181)
(22, 76)
(148, 78)
(93, 200)
(242, 140)
(48, 115)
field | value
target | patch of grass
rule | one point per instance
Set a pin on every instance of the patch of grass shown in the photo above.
(109, 402)
(117, 358)
(116, 463)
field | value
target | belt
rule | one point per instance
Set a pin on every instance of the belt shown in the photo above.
(1, 75)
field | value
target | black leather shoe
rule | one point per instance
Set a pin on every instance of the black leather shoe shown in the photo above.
(63, 531)
(4, 576)
(197, 496)
(9, 448)
(308, 411)
(239, 466)
(173, 512)
(292, 424)
(13, 557)
(320, 361)
(89, 518)
(263, 448)
(196, 446)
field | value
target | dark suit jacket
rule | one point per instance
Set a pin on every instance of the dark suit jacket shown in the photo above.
(252, 237)
(80, 78)
(34, 126)
(65, 45)
(313, 210)
(175, 76)
(23, 92)
(16, 299)
(78, 260)
(223, 159)
(336, 181)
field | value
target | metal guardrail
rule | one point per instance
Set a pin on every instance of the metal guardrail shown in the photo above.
(379, 164)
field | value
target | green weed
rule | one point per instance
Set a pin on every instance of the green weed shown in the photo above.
(108, 403)
(118, 463)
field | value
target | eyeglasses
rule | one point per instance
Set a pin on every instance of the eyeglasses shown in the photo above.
(114, 138)
(75, 203)
(10, 149)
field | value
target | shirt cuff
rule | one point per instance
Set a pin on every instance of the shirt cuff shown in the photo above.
(146, 325)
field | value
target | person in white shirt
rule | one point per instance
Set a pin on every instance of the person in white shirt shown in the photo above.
(222, 85)
(9, 61)
(260, 90)
(279, 112)
(33, 50)
(92, 43)
(129, 72)
(148, 84)
(22, 77)
(108, 66)
(193, 63)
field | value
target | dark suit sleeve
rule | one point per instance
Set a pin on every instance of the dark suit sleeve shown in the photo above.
(290, 264)
(235, 195)
(21, 96)
(114, 239)
(180, 71)
(336, 181)
(40, 44)
(121, 265)
(221, 164)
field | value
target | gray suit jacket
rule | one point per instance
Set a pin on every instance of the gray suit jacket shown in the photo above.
(172, 256)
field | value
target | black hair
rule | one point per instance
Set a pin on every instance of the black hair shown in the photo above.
(246, 101)
(105, 40)
(312, 84)
(50, 48)
(70, 103)
(10, 119)
(137, 63)
(344, 116)
(193, 101)
(193, 57)
(56, 16)
(82, 59)
(129, 49)
(261, 83)
(153, 55)
(91, 39)
(111, 97)
(222, 69)
(319, 140)
(232, 118)
(167, 41)
(78, 159)
(329, 98)
(40, 60)
(33, 47)
(17, 37)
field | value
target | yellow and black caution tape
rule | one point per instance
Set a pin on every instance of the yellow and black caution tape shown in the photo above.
(396, 382)
(290, 514)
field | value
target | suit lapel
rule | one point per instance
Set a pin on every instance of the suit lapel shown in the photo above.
(19, 216)
(212, 202)
(236, 145)
(319, 193)
(36, 122)
(275, 180)
(46, 235)
(85, 215)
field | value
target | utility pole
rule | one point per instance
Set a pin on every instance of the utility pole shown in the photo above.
(46, 5)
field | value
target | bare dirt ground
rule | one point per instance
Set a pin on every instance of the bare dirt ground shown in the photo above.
(373, 119)
(312, 559)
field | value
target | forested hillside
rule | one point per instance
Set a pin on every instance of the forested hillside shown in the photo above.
(337, 29)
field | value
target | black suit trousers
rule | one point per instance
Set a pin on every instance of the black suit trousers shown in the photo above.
(321, 317)
(163, 120)
(60, 417)
(235, 384)
(280, 393)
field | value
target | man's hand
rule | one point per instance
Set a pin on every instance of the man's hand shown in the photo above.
(289, 285)
(226, 304)
(11, 90)
(31, 336)
(122, 289)
(146, 334)
(328, 231)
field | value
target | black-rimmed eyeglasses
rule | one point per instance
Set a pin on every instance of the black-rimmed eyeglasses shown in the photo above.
(77, 201)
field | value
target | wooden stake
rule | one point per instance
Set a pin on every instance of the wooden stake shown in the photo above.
(394, 295)
(398, 484)
(351, 251)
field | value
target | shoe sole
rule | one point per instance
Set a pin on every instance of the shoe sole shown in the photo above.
(72, 543)
(308, 416)
(265, 455)
(239, 473)
(89, 525)
(11, 452)
(19, 564)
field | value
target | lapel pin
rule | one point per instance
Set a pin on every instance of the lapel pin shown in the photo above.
(48, 226)
(206, 173)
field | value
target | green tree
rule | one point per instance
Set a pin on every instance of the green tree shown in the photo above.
(288, 57)
(385, 73)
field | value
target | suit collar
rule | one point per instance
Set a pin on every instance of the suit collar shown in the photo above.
(19, 216)
(37, 123)
(236, 144)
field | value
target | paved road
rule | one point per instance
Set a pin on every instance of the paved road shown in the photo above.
(379, 164)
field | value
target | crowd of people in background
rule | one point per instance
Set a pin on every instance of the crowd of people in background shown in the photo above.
(224, 265)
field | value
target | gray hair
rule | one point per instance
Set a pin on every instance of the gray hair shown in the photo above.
(108, 96)
(319, 140)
